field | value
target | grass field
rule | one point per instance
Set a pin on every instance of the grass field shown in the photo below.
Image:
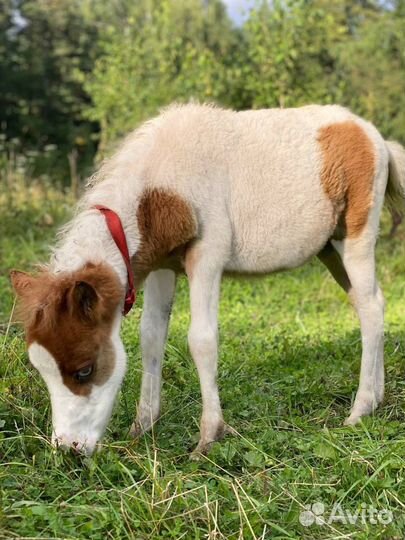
(289, 364)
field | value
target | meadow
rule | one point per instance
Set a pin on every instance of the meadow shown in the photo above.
(289, 367)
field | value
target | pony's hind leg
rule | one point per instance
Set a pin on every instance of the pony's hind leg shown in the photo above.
(331, 259)
(158, 297)
(357, 256)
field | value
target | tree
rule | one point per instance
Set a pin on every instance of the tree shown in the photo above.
(47, 46)
(289, 57)
(374, 66)
(160, 52)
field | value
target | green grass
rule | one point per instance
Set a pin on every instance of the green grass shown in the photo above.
(289, 364)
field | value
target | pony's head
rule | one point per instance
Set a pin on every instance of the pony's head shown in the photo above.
(72, 323)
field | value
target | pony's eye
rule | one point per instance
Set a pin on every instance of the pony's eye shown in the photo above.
(83, 374)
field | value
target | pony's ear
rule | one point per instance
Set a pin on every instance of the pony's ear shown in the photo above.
(84, 301)
(21, 282)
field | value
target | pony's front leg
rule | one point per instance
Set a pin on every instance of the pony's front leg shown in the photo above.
(158, 297)
(205, 280)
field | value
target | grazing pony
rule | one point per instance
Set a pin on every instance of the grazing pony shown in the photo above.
(206, 191)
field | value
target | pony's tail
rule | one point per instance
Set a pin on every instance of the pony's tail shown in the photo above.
(395, 192)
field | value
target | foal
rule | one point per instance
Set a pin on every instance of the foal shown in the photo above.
(206, 191)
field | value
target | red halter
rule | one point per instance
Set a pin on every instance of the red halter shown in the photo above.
(118, 235)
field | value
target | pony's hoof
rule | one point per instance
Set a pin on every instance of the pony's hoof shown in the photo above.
(229, 430)
(352, 420)
(137, 430)
(201, 450)
(204, 447)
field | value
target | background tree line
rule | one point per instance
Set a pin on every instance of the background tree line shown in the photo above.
(75, 75)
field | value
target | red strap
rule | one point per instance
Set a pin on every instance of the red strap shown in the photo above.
(117, 232)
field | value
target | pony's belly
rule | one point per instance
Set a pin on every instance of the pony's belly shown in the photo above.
(278, 248)
(270, 260)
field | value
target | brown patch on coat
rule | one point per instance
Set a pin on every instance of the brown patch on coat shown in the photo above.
(347, 175)
(167, 225)
(71, 316)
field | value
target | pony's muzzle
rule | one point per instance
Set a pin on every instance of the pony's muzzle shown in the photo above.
(65, 443)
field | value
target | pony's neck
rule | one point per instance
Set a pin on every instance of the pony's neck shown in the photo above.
(118, 185)
(87, 239)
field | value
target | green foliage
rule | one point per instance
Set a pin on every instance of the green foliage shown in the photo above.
(77, 74)
(43, 59)
(374, 66)
(162, 51)
(289, 365)
(289, 54)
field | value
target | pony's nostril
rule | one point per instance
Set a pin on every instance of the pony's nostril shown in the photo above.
(65, 443)
(76, 447)
(57, 442)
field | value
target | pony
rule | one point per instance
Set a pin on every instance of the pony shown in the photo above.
(206, 191)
